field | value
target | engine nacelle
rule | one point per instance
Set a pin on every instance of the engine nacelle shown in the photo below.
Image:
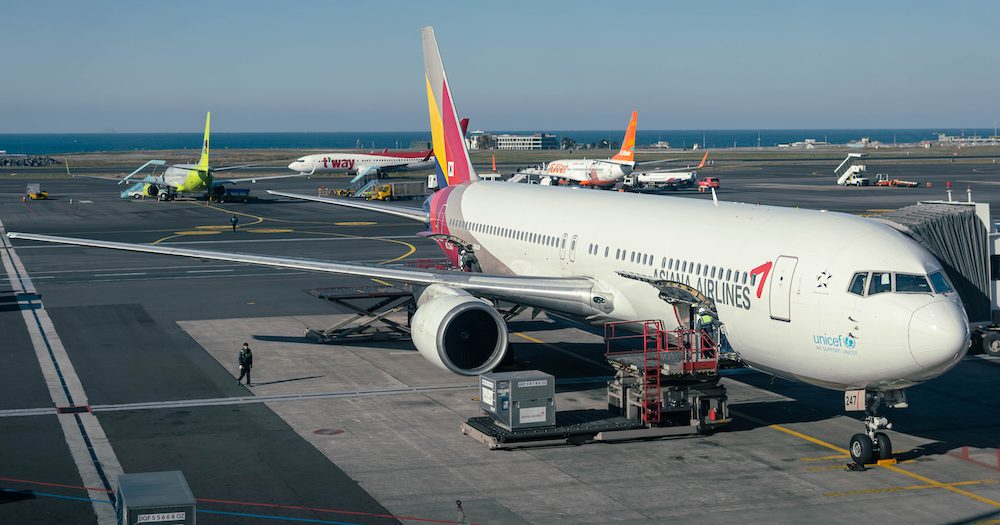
(458, 332)
(152, 190)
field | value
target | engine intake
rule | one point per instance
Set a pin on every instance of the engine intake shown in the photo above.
(459, 332)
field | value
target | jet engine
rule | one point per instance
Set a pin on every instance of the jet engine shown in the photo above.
(152, 190)
(458, 332)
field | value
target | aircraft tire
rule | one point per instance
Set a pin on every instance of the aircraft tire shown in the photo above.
(991, 344)
(862, 449)
(884, 445)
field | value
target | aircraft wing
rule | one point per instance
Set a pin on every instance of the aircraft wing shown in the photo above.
(255, 179)
(685, 168)
(575, 295)
(407, 212)
(230, 168)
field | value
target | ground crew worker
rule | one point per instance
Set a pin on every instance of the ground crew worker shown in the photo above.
(246, 363)
(705, 319)
(233, 221)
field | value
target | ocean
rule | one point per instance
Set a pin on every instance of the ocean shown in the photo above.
(47, 144)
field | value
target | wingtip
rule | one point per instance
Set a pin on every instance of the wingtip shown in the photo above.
(13, 235)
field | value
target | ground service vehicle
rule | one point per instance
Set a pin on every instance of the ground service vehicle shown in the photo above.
(708, 182)
(396, 190)
(883, 179)
(35, 193)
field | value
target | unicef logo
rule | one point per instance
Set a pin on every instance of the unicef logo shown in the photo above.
(849, 342)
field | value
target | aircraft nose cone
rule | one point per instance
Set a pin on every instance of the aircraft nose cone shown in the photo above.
(294, 166)
(939, 334)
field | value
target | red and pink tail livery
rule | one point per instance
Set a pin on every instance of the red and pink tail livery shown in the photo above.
(453, 163)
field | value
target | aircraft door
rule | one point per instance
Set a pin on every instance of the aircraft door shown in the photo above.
(572, 248)
(562, 246)
(780, 295)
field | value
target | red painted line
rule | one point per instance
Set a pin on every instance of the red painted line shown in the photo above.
(321, 509)
(248, 503)
(46, 484)
(964, 455)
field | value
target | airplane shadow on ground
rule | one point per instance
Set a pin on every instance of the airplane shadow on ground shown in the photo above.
(959, 409)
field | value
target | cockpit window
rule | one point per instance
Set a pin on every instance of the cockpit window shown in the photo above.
(301, 160)
(907, 283)
(881, 282)
(858, 283)
(939, 283)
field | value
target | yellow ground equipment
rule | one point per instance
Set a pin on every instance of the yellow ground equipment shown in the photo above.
(35, 193)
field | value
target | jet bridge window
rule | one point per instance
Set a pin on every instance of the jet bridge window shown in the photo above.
(881, 282)
(939, 283)
(907, 283)
(858, 283)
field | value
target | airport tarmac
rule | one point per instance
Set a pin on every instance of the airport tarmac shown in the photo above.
(370, 433)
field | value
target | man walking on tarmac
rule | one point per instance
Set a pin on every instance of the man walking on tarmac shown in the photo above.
(233, 221)
(246, 363)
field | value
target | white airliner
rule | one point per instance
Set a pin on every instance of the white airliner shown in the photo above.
(593, 172)
(367, 164)
(825, 298)
(363, 164)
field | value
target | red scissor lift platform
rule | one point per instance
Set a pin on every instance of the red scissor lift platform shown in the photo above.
(665, 378)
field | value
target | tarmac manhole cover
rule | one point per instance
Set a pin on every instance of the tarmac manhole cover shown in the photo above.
(327, 431)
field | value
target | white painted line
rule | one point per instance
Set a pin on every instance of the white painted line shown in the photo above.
(208, 271)
(88, 444)
(118, 274)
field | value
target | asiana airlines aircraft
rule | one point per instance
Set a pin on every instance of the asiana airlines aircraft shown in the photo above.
(829, 299)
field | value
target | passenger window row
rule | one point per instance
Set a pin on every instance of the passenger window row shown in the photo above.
(632, 256)
(508, 233)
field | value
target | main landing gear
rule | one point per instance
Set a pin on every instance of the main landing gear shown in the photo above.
(874, 445)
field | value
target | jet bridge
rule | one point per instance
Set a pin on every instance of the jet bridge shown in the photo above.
(957, 234)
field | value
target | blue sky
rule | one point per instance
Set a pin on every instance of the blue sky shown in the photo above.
(357, 66)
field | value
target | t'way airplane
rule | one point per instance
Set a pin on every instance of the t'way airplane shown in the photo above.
(830, 299)
(593, 172)
(187, 178)
(363, 165)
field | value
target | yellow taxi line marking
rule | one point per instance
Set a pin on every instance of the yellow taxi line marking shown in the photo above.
(893, 468)
(883, 490)
(826, 458)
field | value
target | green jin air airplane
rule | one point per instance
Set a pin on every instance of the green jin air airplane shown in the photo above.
(187, 178)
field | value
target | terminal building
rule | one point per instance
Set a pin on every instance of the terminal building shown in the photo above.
(527, 142)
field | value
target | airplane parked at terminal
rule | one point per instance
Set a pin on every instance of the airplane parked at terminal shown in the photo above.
(363, 165)
(187, 178)
(825, 298)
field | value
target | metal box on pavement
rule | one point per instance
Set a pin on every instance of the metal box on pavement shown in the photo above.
(161, 498)
(519, 400)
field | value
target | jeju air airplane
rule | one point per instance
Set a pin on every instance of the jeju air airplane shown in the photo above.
(593, 172)
(829, 299)
(363, 165)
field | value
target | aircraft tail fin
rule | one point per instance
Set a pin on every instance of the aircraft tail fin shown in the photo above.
(453, 163)
(627, 152)
(703, 160)
(203, 161)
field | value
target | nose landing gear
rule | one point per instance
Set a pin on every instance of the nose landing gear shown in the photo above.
(873, 445)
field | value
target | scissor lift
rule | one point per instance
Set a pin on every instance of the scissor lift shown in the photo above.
(665, 379)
